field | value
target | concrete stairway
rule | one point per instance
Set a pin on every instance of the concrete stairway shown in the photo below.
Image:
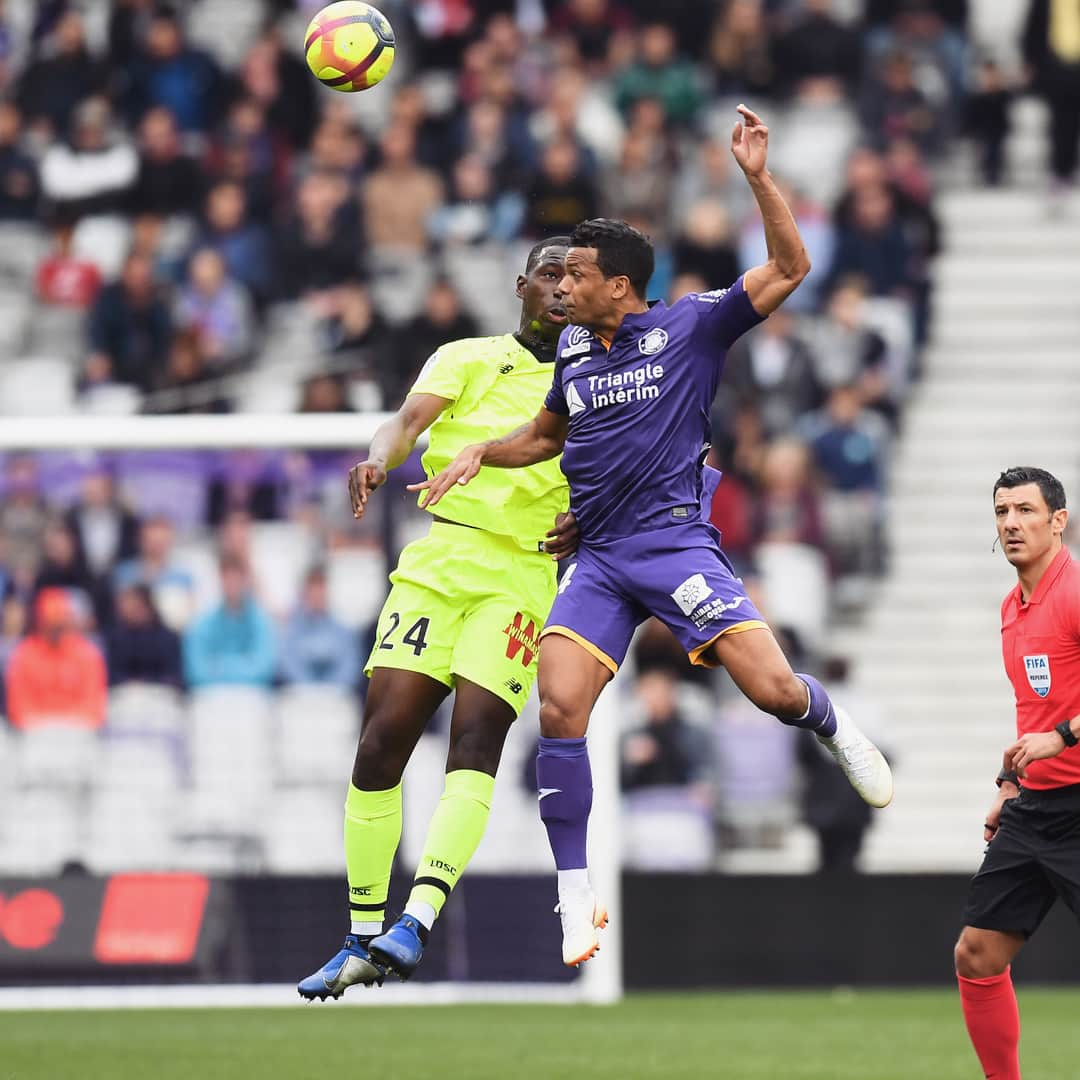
(1002, 387)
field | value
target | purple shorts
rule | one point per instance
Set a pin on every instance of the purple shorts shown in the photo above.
(679, 574)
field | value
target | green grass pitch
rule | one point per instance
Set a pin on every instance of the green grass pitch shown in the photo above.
(876, 1035)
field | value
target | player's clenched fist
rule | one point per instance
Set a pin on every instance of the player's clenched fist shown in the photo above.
(460, 471)
(363, 480)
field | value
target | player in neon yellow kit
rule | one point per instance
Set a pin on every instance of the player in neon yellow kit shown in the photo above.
(465, 611)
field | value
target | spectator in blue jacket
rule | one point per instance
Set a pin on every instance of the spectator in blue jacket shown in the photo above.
(316, 648)
(234, 644)
(140, 647)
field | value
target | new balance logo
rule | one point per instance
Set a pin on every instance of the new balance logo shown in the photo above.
(513, 686)
(544, 792)
(505, 369)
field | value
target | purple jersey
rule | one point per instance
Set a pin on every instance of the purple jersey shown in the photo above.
(639, 411)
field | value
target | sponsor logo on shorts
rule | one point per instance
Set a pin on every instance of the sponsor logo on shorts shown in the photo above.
(1038, 673)
(513, 686)
(691, 593)
(652, 342)
(522, 639)
(713, 610)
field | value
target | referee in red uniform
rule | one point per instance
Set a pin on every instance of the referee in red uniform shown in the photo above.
(1033, 827)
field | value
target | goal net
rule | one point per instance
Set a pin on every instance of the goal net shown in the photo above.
(217, 808)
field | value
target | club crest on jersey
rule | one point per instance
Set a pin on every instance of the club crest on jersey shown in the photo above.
(1038, 673)
(653, 341)
(578, 341)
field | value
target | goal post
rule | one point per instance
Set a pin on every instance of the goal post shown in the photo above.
(600, 980)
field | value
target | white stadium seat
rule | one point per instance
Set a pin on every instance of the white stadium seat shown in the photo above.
(317, 731)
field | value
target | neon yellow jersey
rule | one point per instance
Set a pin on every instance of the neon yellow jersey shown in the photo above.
(494, 385)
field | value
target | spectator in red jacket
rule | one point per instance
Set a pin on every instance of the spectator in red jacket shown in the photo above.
(56, 675)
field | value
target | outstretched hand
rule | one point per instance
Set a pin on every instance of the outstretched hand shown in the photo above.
(460, 471)
(750, 142)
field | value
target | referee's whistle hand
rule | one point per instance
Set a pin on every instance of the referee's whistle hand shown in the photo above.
(1034, 746)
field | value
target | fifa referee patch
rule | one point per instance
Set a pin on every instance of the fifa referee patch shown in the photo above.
(1038, 673)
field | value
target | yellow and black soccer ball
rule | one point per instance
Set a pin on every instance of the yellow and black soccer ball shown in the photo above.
(349, 46)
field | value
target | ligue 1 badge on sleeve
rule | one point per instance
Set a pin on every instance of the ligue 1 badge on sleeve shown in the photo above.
(1038, 673)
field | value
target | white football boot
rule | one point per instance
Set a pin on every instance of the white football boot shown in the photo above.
(863, 763)
(582, 916)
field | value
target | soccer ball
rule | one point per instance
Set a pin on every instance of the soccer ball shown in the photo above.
(349, 46)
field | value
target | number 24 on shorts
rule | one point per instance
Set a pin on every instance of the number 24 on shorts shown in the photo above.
(415, 636)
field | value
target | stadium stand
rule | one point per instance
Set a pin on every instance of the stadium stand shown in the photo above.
(859, 433)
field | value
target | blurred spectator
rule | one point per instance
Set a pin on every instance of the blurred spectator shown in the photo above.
(64, 278)
(561, 194)
(105, 530)
(129, 329)
(63, 567)
(22, 519)
(772, 370)
(139, 646)
(894, 106)
(324, 394)
(336, 148)
(218, 309)
(241, 242)
(59, 79)
(234, 644)
(817, 47)
(246, 486)
(321, 247)
(245, 151)
(280, 82)
(1051, 48)
(189, 385)
(704, 245)
(667, 750)
(788, 510)
(659, 72)
(56, 674)
(400, 196)
(476, 213)
(830, 806)
(95, 172)
(18, 171)
(443, 319)
(13, 624)
(315, 647)
(741, 51)
(169, 181)
(849, 444)
(167, 71)
(357, 338)
(592, 24)
(706, 174)
(640, 185)
(655, 648)
(874, 246)
(172, 586)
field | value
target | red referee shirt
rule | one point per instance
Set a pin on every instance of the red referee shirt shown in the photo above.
(1040, 643)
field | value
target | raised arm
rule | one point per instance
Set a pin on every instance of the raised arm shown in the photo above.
(770, 284)
(391, 445)
(541, 439)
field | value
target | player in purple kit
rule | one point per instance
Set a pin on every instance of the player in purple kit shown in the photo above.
(629, 411)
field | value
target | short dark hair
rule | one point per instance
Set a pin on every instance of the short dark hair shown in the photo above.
(621, 250)
(1049, 485)
(538, 250)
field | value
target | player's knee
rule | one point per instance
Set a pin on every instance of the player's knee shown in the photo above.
(381, 757)
(560, 720)
(478, 749)
(975, 960)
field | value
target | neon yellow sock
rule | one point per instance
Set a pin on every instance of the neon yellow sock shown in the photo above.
(456, 830)
(372, 834)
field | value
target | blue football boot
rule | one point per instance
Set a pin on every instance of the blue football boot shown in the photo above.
(347, 968)
(401, 948)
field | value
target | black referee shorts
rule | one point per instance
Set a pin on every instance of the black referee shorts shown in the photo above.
(1033, 859)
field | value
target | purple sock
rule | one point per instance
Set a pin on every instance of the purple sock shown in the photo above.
(820, 717)
(564, 780)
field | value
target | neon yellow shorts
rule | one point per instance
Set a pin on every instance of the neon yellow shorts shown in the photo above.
(467, 604)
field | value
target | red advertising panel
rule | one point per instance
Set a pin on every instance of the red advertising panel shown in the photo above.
(151, 918)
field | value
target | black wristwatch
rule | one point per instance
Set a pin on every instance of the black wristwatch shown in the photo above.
(1065, 732)
(1007, 776)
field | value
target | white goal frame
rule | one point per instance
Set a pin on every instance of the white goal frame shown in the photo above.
(601, 979)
